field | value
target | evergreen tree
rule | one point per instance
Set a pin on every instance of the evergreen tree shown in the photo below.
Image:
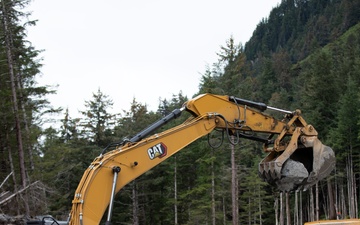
(345, 136)
(22, 102)
(69, 130)
(255, 200)
(62, 165)
(320, 92)
(208, 82)
(231, 61)
(97, 118)
(345, 140)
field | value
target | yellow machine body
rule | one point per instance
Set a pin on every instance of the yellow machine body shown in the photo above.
(234, 116)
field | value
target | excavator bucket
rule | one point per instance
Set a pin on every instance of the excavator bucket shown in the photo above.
(303, 163)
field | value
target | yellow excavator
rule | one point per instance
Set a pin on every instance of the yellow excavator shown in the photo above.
(296, 158)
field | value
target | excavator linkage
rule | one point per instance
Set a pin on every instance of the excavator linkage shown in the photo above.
(297, 159)
(304, 162)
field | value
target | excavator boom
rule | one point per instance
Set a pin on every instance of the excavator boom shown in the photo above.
(297, 159)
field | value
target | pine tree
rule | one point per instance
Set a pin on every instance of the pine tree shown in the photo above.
(69, 130)
(318, 95)
(6, 23)
(64, 162)
(345, 139)
(97, 118)
(22, 102)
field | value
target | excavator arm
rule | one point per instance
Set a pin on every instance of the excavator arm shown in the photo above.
(112, 170)
(93, 194)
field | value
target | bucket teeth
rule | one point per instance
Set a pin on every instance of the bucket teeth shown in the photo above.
(268, 169)
(270, 172)
(288, 177)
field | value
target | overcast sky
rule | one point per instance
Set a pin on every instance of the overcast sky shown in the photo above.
(142, 49)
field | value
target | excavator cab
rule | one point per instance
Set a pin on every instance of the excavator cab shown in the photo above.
(296, 161)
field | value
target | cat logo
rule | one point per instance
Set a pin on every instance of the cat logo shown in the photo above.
(158, 150)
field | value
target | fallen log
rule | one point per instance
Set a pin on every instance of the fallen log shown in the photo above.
(16, 193)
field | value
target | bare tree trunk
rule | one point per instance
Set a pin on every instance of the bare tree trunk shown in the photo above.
(27, 132)
(213, 210)
(260, 208)
(224, 210)
(288, 214)
(325, 204)
(337, 205)
(234, 187)
(175, 192)
(15, 104)
(25, 121)
(350, 184)
(343, 210)
(301, 209)
(276, 208)
(6, 178)
(355, 197)
(332, 213)
(135, 211)
(311, 208)
(296, 208)
(353, 184)
(317, 201)
(16, 193)
(281, 209)
(13, 176)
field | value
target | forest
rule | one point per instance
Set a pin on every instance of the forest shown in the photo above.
(304, 55)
